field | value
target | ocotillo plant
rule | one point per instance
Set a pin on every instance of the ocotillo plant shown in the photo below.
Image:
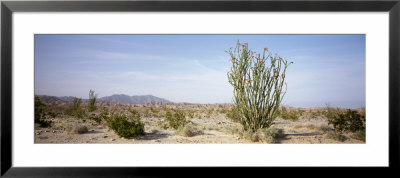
(92, 101)
(257, 80)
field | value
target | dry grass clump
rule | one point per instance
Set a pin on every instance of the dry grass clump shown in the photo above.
(234, 130)
(77, 129)
(270, 135)
(266, 135)
(249, 135)
(188, 131)
(335, 136)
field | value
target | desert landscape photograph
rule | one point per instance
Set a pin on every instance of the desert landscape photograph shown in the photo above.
(199, 89)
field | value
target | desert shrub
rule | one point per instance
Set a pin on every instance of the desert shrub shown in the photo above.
(292, 114)
(258, 81)
(96, 118)
(75, 109)
(92, 101)
(362, 112)
(125, 126)
(250, 135)
(188, 131)
(209, 112)
(175, 118)
(135, 113)
(335, 136)
(270, 135)
(330, 112)
(223, 110)
(145, 112)
(40, 114)
(52, 114)
(45, 123)
(104, 114)
(154, 112)
(314, 114)
(162, 124)
(233, 114)
(190, 113)
(39, 107)
(267, 135)
(359, 135)
(77, 129)
(348, 120)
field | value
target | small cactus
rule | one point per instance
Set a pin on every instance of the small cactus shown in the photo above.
(92, 101)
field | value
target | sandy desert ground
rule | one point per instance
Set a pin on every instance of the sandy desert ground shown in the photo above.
(213, 129)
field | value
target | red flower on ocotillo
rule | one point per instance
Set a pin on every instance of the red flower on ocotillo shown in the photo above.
(245, 81)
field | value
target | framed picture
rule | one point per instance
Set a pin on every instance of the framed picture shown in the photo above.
(136, 88)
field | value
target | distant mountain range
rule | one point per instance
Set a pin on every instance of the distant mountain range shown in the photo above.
(138, 99)
(117, 98)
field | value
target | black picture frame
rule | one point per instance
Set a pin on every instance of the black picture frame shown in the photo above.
(8, 7)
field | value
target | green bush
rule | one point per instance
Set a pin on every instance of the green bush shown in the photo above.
(359, 135)
(104, 115)
(190, 113)
(127, 127)
(154, 112)
(257, 80)
(348, 120)
(40, 113)
(163, 125)
(95, 118)
(175, 118)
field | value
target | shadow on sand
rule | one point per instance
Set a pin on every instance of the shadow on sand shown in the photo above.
(94, 132)
(303, 134)
(287, 136)
(153, 136)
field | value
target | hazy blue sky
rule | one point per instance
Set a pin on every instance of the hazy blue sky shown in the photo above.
(193, 68)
